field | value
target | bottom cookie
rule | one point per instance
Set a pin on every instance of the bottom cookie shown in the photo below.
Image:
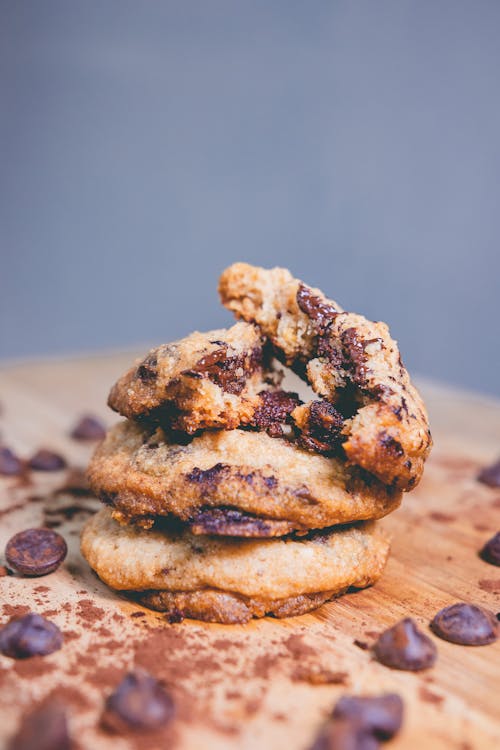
(211, 605)
(225, 579)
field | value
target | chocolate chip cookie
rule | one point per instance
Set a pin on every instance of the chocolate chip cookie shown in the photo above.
(142, 473)
(206, 380)
(231, 580)
(351, 362)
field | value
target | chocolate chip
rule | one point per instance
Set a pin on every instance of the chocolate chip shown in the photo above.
(404, 646)
(147, 370)
(140, 703)
(44, 728)
(10, 464)
(322, 429)
(274, 411)
(45, 460)
(88, 428)
(380, 715)
(225, 521)
(321, 313)
(490, 475)
(466, 624)
(491, 550)
(344, 734)
(36, 552)
(31, 635)
(175, 616)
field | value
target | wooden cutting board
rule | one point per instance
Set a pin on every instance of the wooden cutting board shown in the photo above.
(244, 686)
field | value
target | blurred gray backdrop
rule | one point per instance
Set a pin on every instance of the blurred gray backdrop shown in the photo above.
(146, 145)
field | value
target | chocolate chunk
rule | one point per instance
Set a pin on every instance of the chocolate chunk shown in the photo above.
(229, 373)
(209, 477)
(36, 552)
(44, 728)
(274, 411)
(466, 624)
(490, 475)
(491, 550)
(322, 432)
(313, 306)
(404, 646)
(380, 715)
(45, 460)
(88, 428)
(175, 616)
(232, 522)
(147, 370)
(140, 703)
(10, 464)
(344, 734)
(31, 635)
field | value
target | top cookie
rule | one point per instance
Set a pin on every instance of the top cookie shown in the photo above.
(206, 380)
(350, 361)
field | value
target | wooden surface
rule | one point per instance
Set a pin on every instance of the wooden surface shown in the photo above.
(236, 686)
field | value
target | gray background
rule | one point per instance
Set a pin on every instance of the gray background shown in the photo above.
(146, 145)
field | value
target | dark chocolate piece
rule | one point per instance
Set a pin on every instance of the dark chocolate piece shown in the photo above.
(139, 702)
(274, 411)
(380, 715)
(316, 310)
(490, 475)
(31, 635)
(491, 550)
(466, 624)
(404, 646)
(322, 432)
(232, 522)
(229, 373)
(44, 728)
(344, 734)
(45, 460)
(36, 552)
(88, 428)
(10, 464)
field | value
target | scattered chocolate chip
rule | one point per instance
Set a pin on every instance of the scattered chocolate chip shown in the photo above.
(465, 624)
(44, 728)
(380, 715)
(10, 464)
(491, 550)
(4, 571)
(45, 460)
(404, 646)
(31, 635)
(344, 735)
(88, 428)
(35, 552)
(490, 475)
(140, 703)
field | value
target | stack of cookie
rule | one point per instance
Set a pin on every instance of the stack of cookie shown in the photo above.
(229, 497)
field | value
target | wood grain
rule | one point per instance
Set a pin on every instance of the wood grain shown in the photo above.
(237, 686)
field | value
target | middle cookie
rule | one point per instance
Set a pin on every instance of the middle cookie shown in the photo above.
(239, 482)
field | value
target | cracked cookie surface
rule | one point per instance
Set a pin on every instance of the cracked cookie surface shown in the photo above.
(141, 474)
(351, 362)
(206, 380)
(230, 580)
